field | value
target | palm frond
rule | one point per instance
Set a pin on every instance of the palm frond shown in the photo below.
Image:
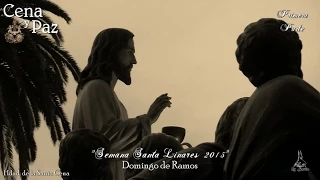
(47, 20)
(32, 82)
(6, 152)
(50, 7)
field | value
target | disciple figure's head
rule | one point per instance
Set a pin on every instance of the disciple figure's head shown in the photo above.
(265, 51)
(227, 122)
(77, 159)
(156, 142)
(112, 52)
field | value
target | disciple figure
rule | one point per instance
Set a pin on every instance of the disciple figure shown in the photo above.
(282, 115)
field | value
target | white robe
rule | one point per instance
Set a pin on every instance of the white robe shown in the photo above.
(98, 108)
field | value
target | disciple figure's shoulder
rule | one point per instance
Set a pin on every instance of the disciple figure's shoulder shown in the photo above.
(287, 86)
(289, 81)
(211, 146)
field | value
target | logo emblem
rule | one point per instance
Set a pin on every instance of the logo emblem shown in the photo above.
(300, 164)
(14, 34)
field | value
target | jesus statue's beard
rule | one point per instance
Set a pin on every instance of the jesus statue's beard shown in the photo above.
(124, 75)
